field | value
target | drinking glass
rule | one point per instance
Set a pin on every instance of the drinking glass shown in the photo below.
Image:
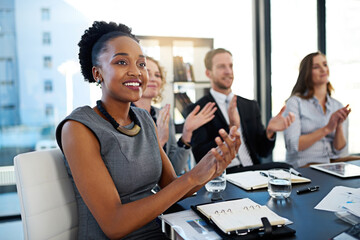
(217, 184)
(279, 183)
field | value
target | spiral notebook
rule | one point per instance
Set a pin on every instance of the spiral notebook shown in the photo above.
(239, 215)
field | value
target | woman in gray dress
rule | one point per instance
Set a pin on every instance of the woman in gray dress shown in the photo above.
(112, 152)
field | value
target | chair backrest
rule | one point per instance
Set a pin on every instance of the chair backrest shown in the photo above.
(47, 198)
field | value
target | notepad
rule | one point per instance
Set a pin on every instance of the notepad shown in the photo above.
(241, 214)
(251, 180)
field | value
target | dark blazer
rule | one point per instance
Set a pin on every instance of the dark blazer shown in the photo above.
(254, 133)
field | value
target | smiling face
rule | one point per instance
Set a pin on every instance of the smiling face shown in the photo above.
(122, 70)
(221, 73)
(155, 80)
(320, 70)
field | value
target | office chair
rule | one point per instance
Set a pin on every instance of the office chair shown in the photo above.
(47, 198)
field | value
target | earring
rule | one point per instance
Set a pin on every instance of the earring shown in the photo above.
(98, 81)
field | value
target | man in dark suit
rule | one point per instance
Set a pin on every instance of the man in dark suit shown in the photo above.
(256, 141)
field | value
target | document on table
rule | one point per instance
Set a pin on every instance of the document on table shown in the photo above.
(251, 180)
(190, 226)
(341, 198)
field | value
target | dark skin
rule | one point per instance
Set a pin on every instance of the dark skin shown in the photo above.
(123, 76)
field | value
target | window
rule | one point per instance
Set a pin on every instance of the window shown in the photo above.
(343, 55)
(46, 38)
(33, 64)
(47, 62)
(6, 18)
(7, 107)
(48, 86)
(45, 14)
(6, 83)
(293, 36)
(49, 110)
(7, 69)
(293, 32)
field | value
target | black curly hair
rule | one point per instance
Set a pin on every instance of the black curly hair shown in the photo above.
(93, 42)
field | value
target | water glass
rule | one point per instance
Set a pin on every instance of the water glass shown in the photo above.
(217, 184)
(279, 183)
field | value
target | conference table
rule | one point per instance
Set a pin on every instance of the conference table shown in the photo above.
(308, 222)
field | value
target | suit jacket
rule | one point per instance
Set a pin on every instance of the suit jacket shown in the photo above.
(254, 133)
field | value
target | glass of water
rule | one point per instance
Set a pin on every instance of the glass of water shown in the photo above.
(279, 183)
(217, 184)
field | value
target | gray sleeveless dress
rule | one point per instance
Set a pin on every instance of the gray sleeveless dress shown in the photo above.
(134, 164)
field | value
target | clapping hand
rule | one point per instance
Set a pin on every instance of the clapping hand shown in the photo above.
(234, 116)
(279, 122)
(217, 159)
(162, 123)
(196, 119)
(227, 149)
(337, 118)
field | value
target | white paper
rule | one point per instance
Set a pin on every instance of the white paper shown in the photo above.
(190, 226)
(338, 198)
(353, 207)
(344, 236)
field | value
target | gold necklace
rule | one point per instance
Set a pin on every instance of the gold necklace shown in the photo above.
(129, 132)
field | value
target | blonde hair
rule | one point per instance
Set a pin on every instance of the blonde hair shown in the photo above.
(159, 97)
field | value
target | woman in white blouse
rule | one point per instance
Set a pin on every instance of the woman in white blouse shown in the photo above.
(319, 132)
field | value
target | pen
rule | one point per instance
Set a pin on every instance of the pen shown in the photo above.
(293, 171)
(308, 189)
(266, 175)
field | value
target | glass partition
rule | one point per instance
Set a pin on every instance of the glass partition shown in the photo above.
(293, 36)
(40, 79)
(343, 55)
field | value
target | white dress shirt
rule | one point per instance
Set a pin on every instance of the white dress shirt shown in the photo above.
(243, 155)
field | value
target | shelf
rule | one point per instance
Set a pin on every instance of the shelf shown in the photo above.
(190, 85)
(181, 58)
(165, 40)
(191, 82)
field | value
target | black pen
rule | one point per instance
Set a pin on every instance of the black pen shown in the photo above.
(263, 174)
(266, 175)
(308, 189)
